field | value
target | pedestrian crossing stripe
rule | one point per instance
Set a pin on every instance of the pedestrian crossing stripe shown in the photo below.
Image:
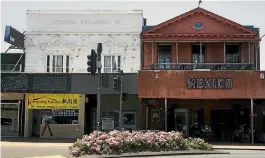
(51, 156)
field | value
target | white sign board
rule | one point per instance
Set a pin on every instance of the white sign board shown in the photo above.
(107, 124)
(88, 22)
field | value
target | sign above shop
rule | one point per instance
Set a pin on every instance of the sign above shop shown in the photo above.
(150, 101)
(209, 83)
(84, 22)
(88, 22)
(53, 101)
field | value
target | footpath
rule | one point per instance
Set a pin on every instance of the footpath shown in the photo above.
(68, 142)
(240, 147)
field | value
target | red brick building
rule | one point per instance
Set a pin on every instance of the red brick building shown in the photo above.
(202, 69)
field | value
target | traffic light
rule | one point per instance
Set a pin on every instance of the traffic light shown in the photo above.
(92, 62)
(124, 97)
(116, 84)
(104, 80)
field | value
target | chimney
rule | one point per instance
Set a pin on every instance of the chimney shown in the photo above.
(144, 21)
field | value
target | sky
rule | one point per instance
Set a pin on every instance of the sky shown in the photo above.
(243, 12)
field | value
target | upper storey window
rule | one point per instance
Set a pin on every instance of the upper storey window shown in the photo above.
(57, 63)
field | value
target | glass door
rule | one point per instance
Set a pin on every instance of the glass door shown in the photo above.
(181, 119)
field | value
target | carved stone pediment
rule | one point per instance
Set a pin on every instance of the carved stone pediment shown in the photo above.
(57, 42)
(84, 40)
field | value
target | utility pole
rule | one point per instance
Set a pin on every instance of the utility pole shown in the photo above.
(99, 51)
(121, 92)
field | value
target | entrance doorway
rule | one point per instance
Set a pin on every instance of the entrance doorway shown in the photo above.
(181, 121)
(90, 113)
(10, 119)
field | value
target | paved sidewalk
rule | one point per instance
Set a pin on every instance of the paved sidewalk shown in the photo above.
(36, 142)
(151, 154)
(239, 147)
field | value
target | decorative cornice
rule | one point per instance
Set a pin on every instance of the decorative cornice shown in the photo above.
(199, 11)
(196, 37)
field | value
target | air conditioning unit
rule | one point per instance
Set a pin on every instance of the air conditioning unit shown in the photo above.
(262, 76)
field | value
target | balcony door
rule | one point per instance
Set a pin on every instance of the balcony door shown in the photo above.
(198, 53)
(233, 53)
(164, 58)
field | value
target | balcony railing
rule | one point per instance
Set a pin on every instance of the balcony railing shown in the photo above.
(10, 67)
(200, 66)
(196, 58)
(233, 58)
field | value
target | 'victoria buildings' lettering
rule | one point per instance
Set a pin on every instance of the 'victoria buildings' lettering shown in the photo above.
(209, 83)
(84, 22)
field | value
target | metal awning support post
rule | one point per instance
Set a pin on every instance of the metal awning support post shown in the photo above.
(200, 52)
(224, 52)
(252, 121)
(177, 52)
(166, 114)
(153, 46)
(249, 52)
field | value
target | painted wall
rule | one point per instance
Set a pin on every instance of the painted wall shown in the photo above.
(172, 84)
(119, 31)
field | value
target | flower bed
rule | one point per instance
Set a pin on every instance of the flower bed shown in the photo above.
(118, 142)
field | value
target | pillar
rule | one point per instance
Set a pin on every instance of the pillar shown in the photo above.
(166, 114)
(252, 120)
(207, 115)
(81, 116)
(224, 52)
(28, 119)
(143, 115)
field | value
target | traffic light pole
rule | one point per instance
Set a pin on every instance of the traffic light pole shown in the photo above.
(121, 91)
(98, 100)
(99, 50)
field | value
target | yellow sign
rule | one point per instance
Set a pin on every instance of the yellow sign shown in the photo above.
(53, 101)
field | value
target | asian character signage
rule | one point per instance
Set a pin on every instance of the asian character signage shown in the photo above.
(209, 83)
(53, 101)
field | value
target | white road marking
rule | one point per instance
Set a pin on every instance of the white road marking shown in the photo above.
(51, 156)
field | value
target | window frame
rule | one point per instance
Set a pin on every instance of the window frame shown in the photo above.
(235, 54)
(164, 64)
(62, 118)
(118, 64)
(193, 55)
(49, 67)
(135, 120)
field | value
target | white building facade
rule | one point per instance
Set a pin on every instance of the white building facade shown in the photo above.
(59, 41)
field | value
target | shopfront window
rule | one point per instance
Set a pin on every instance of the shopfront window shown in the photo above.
(60, 116)
(129, 120)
